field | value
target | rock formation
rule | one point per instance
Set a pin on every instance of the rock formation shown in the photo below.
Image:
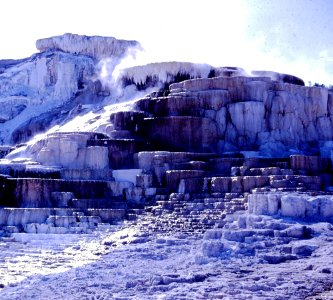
(96, 46)
(203, 143)
(272, 118)
(64, 74)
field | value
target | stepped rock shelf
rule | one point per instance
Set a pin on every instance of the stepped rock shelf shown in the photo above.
(170, 164)
(190, 152)
(242, 161)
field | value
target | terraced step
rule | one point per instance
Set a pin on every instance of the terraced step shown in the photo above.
(57, 220)
(97, 203)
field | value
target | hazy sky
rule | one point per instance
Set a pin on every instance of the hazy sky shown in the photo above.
(291, 36)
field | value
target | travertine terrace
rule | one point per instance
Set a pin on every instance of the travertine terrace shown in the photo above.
(242, 161)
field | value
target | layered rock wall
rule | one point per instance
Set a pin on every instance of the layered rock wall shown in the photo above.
(197, 149)
(34, 192)
(244, 114)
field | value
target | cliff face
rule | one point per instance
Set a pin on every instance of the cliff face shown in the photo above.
(243, 114)
(259, 114)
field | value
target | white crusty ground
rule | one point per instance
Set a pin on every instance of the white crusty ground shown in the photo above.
(127, 264)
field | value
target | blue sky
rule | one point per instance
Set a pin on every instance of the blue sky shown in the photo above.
(291, 36)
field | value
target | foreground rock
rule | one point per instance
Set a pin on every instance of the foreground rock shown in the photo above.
(278, 227)
(152, 266)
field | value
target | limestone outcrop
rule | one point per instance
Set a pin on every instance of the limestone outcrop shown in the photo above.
(97, 47)
(196, 143)
(247, 114)
(294, 205)
(71, 151)
(66, 73)
(230, 170)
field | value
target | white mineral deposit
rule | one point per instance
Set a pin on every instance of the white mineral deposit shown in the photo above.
(169, 180)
